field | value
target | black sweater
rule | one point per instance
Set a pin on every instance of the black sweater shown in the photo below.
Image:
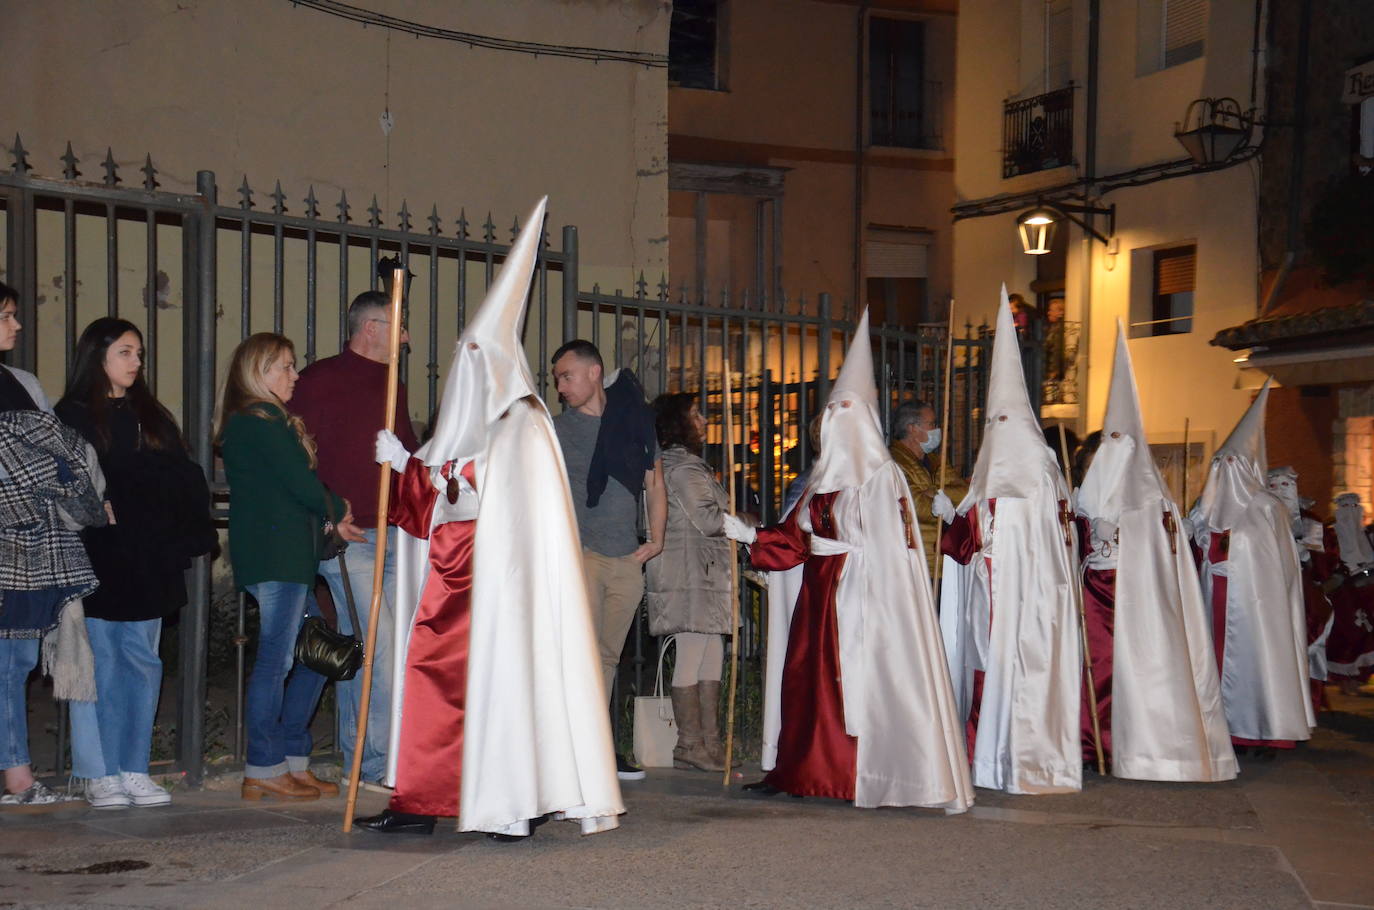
(162, 513)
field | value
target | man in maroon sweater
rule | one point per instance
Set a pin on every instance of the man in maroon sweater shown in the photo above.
(342, 400)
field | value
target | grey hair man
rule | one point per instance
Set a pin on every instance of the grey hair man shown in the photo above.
(342, 400)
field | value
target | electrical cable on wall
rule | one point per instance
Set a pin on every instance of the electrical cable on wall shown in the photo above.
(533, 48)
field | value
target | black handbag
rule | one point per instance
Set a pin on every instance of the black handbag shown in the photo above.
(328, 652)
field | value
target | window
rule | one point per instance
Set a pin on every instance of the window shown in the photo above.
(1169, 32)
(899, 101)
(1164, 305)
(1058, 43)
(895, 265)
(695, 47)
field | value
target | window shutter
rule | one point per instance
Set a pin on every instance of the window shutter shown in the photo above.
(1185, 30)
(1174, 272)
(895, 260)
(1058, 43)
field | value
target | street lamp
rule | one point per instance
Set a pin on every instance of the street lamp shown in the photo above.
(1037, 230)
(1214, 129)
(1037, 226)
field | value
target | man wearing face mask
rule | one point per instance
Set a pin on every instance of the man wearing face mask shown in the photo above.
(915, 448)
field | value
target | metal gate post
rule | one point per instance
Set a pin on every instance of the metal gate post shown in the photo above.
(200, 382)
(570, 283)
(21, 264)
(823, 354)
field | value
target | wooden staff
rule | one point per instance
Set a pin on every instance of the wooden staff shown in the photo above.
(944, 450)
(734, 580)
(393, 369)
(1183, 493)
(1082, 614)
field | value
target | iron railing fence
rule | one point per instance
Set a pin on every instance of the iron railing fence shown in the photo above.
(112, 249)
(1037, 132)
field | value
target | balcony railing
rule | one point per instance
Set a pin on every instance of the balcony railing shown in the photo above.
(1037, 133)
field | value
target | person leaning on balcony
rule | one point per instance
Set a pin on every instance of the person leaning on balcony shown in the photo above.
(20, 638)
(689, 582)
(277, 507)
(915, 444)
(160, 506)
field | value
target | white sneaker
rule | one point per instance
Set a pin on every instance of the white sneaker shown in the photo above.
(142, 790)
(107, 793)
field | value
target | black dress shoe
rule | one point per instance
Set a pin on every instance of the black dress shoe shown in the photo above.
(761, 788)
(516, 838)
(389, 822)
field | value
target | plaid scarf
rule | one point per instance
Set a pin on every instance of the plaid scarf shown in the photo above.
(49, 472)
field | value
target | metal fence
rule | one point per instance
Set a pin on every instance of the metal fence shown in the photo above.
(199, 273)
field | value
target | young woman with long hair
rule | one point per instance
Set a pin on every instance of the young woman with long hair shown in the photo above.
(160, 506)
(277, 507)
(688, 583)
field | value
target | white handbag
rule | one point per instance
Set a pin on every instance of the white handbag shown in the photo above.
(655, 731)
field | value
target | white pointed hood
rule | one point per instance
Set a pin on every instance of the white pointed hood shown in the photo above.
(1123, 475)
(851, 431)
(1013, 457)
(1237, 471)
(489, 371)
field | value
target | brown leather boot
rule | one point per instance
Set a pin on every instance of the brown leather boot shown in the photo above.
(689, 751)
(307, 777)
(283, 787)
(708, 697)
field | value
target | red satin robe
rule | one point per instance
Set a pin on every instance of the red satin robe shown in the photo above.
(816, 757)
(1350, 646)
(430, 763)
(960, 541)
(1219, 545)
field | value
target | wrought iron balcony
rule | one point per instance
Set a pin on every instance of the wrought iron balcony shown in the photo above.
(1037, 132)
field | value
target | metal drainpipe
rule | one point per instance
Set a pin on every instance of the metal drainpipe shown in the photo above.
(1299, 152)
(859, 157)
(1089, 175)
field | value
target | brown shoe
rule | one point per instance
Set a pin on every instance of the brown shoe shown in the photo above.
(283, 787)
(307, 777)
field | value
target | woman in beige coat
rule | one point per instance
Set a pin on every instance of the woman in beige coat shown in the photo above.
(689, 582)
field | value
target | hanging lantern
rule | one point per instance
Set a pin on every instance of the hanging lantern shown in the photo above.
(1037, 229)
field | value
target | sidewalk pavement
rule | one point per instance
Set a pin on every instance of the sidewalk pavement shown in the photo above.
(1294, 832)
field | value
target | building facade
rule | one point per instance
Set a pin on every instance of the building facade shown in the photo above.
(811, 150)
(1069, 109)
(286, 97)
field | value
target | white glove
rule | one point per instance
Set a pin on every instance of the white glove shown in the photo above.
(391, 451)
(738, 530)
(1104, 531)
(942, 507)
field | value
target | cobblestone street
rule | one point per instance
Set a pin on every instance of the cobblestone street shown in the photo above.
(1294, 832)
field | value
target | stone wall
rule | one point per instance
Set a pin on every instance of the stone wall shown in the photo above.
(1353, 449)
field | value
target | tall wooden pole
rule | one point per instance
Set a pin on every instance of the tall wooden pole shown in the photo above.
(1187, 456)
(734, 580)
(944, 450)
(1083, 616)
(393, 369)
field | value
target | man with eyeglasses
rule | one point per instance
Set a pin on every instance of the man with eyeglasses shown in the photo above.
(342, 400)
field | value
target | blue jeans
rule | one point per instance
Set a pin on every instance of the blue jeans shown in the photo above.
(361, 559)
(115, 732)
(18, 656)
(277, 709)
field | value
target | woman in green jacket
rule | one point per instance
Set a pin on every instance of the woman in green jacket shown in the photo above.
(277, 506)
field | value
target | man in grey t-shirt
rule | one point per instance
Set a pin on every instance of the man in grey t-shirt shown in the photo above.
(612, 556)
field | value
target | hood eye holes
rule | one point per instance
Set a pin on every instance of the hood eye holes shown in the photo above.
(1230, 459)
(1116, 435)
(846, 403)
(472, 345)
(1001, 418)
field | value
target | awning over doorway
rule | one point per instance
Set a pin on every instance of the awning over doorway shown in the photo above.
(1320, 347)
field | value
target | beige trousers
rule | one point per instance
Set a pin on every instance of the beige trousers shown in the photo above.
(615, 586)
